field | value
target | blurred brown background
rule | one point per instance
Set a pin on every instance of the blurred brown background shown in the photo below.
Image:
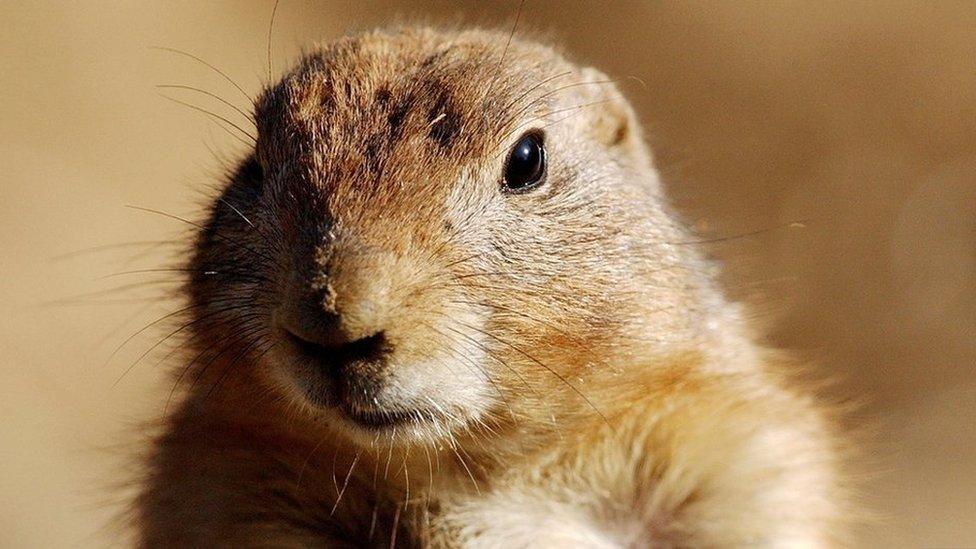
(856, 119)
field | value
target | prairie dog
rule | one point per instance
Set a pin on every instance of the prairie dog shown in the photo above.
(443, 303)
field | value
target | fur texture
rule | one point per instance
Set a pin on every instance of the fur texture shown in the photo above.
(557, 369)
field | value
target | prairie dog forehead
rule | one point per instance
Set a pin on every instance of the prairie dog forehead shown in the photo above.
(365, 98)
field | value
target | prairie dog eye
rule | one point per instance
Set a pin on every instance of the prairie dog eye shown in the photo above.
(525, 168)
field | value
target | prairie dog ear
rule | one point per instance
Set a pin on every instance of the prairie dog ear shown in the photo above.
(611, 118)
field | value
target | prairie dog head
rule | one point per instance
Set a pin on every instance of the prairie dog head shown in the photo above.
(439, 230)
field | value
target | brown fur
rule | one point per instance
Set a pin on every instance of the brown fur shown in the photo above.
(573, 374)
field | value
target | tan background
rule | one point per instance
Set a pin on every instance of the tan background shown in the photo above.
(857, 119)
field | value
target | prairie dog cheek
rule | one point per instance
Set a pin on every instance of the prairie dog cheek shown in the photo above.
(447, 373)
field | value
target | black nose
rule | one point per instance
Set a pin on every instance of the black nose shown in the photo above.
(337, 354)
(319, 334)
(308, 320)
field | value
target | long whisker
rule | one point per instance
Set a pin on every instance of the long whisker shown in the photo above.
(274, 11)
(143, 329)
(538, 85)
(238, 212)
(213, 68)
(494, 357)
(209, 94)
(170, 335)
(514, 116)
(203, 334)
(474, 367)
(245, 218)
(574, 110)
(498, 67)
(236, 275)
(308, 458)
(113, 247)
(201, 227)
(213, 115)
(798, 224)
(345, 483)
(522, 352)
(120, 289)
(227, 369)
(241, 337)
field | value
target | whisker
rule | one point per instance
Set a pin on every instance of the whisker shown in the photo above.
(213, 68)
(538, 85)
(550, 370)
(241, 337)
(226, 370)
(209, 94)
(308, 458)
(238, 212)
(396, 526)
(463, 260)
(345, 483)
(212, 115)
(464, 464)
(183, 371)
(113, 247)
(274, 10)
(494, 357)
(798, 224)
(473, 367)
(202, 228)
(498, 67)
(142, 285)
(237, 275)
(246, 220)
(575, 109)
(514, 116)
(171, 334)
(143, 329)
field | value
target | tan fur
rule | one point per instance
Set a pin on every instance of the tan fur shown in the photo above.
(574, 375)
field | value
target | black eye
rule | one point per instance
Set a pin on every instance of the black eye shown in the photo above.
(526, 164)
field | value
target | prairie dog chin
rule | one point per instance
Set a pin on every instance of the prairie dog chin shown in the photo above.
(443, 302)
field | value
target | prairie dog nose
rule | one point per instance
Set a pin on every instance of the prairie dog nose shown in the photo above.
(340, 315)
(321, 334)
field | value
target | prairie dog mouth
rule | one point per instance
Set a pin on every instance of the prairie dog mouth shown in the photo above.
(347, 380)
(381, 419)
(382, 382)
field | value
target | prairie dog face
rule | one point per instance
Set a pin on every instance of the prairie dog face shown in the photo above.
(436, 231)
